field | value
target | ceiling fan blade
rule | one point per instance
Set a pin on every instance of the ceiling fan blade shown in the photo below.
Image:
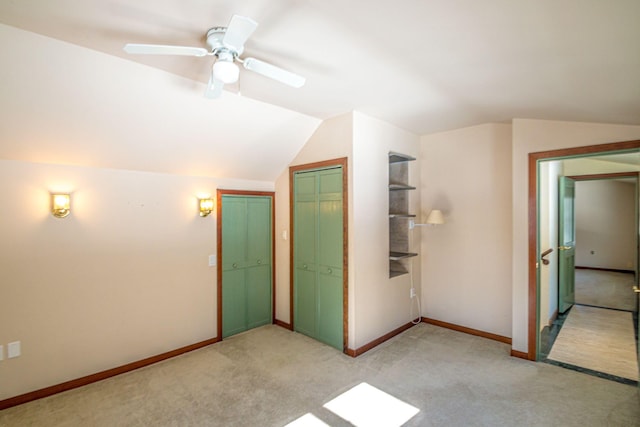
(273, 72)
(238, 31)
(158, 49)
(214, 88)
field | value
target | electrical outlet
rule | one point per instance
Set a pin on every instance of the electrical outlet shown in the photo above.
(412, 293)
(13, 349)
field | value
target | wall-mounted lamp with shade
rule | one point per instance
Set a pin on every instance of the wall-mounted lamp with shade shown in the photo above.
(435, 217)
(60, 205)
(206, 207)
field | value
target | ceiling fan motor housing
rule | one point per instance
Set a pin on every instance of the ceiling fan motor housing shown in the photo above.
(215, 43)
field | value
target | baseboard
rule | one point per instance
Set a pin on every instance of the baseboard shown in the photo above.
(613, 270)
(283, 324)
(553, 317)
(79, 382)
(377, 342)
(519, 354)
(466, 330)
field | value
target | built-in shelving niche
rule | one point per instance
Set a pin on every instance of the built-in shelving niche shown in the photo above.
(399, 214)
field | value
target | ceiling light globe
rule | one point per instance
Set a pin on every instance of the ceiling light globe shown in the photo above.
(226, 72)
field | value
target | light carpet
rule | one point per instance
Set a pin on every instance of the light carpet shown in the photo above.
(272, 377)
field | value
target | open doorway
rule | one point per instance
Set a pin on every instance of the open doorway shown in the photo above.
(606, 240)
(586, 163)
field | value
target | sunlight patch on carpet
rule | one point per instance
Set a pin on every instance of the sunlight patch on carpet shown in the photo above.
(307, 420)
(365, 405)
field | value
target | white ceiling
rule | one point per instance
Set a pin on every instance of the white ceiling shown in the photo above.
(65, 104)
(425, 66)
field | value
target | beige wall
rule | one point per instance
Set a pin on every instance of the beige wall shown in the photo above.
(466, 263)
(125, 276)
(588, 166)
(533, 136)
(381, 304)
(606, 224)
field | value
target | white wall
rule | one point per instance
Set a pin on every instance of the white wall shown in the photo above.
(125, 276)
(606, 224)
(466, 263)
(531, 136)
(548, 234)
(381, 304)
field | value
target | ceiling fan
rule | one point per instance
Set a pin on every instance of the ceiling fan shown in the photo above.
(226, 44)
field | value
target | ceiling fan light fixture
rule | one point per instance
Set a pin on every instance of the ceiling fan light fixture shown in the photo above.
(226, 71)
(226, 44)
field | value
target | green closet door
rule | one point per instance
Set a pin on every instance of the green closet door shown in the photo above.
(246, 263)
(318, 255)
(306, 202)
(259, 275)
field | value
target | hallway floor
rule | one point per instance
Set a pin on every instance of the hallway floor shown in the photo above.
(598, 339)
(606, 289)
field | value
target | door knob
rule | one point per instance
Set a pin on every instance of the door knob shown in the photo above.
(235, 265)
(304, 266)
(259, 261)
(636, 290)
(329, 271)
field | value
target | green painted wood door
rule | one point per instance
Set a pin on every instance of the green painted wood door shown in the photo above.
(318, 255)
(246, 263)
(566, 244)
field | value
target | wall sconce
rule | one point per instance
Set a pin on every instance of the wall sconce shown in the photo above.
(435, 218)
(206, 207)
(60, 205)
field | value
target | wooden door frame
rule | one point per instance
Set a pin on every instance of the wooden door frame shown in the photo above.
(342, 162)
(534, 158)
(219, 194)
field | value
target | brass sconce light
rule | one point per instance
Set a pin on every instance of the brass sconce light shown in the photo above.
(60, 205)
(206, 207)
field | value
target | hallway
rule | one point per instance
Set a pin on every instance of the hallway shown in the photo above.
(598, 335)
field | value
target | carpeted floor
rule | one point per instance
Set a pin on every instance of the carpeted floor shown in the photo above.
(271, 377)
(607, 289)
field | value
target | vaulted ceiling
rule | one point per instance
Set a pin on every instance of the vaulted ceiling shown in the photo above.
(424, 66)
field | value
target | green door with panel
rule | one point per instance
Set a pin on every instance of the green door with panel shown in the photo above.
(246, 263)
(318, 255)
(566, 244)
